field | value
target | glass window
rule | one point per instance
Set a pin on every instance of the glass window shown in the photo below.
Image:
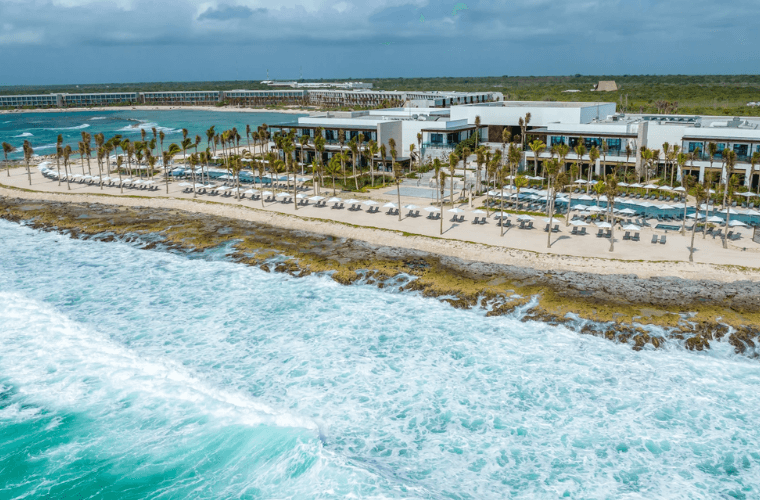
(721, 147)
(330, 135)
(741, 149)
(614, 144)
(438, 139)
(694, 145)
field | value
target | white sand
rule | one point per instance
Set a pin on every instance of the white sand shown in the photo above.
(480, 243)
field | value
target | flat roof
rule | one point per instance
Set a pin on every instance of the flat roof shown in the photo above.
(584, 133)
(539, 104)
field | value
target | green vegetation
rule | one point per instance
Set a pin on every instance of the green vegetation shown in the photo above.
(684, 94)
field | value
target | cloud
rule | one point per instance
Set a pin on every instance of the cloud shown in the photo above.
(228, 12)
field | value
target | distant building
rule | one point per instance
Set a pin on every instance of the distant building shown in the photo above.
(605, 86)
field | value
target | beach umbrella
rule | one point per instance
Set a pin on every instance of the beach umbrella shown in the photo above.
(181, 184)
(432, 209)
(580, 181)
(282, 193)
(499, 215)
(251, 191)
(222, 188)
(300, 196)
(691, 216)
(637, 185)
(525, 217)
(389, 205)
(730, 211)
(478, 211)
(751, 212)
(302, 179)
(715, 218)
(579, 207)
(680, 189)
(664, 207)
(596, 209)
(578, 223)
(627, 211)
(604, 225)
(411, 207)
(455, 210)
(622, 184)
(334, 199)
(353, 201)
(631, 227)
(585, 197)
(651, 186)
(736, 223)
(665, 188)
(267, 193)
(493, 193)
(370, 203)
(317, 198)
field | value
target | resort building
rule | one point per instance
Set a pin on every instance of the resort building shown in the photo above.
(181, 98)
(108, 99)
(618, 138)
(31, 101)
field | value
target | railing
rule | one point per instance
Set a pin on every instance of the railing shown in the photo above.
(438, 145)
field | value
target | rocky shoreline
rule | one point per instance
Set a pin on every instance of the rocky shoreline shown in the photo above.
(623, 308)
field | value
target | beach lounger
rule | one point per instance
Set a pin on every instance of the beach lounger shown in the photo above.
(636, 237)
(530, 225)
(627, 235)
(574, 231)
(476, 220)
(654, 239)
(582, 232)
(556, 228)
(546, 229)
(735, 236)
(506, 223)
(608, 234)
(484, 220)
(600, 233)
(663, 239)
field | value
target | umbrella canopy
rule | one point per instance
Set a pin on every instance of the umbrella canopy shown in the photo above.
(665, 188)
(604, 225)
(334, 199)
(499, 215)
(524, 217)
(579, 207)
(181, 184)
(627, 211)
(432, 209)
(300, 196)
(578, 223)
(353, 201)
(736, 223)
(411, 207)
(715, 218)
(585, 197)
(651, 186)
(251, 191)
(267, 193)
(478, 212)
(622, 184)
(631, 227)
(596, 209)
(637, 185)
(317, 198)
(493, 193)
(580, 181)
(282, 193)
(370, 202)
(664, 207)
(680, 189)
(747, 194)
(455, 210)
(389, 205)
(691, 216)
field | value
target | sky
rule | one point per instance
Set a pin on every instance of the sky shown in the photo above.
(108, 41)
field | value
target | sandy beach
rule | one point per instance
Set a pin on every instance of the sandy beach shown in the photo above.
(482, 243)
(234, 109)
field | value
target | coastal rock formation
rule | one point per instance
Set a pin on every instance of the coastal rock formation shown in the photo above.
(693, 313)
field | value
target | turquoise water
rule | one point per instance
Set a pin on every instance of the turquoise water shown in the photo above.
(127, 373)
(42, 129)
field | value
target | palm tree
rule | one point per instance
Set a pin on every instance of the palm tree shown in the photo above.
(728, 196)
(303, 141)
(520, 182)
(333, 167)
(537, 147)
(477, 131)
(319, 147)
(58, 154)
(453, 161)
(66, 155)
(700, 195)
(611, 190)
(170, 154)
(712, 150)
(372, 149)
(593, 155)
(647, 157)
(419, 145)
(754, 159)
(729, 158)
(574, 170)
(666, 157)
(7, 148)
(28, 152)
(383, 156)
(398, 173)
(688, 183)
(628, 153)
(514, 155)
(675, 159)
(553, 169)
(119, 162)
(708, 182)
(342, 142)
(441, 186)
(681, 159)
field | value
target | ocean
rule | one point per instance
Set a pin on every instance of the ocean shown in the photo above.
(133, 374)
(42, 129)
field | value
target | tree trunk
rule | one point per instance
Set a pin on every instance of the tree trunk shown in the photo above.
(693, 232)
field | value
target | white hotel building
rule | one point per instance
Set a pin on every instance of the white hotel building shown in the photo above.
(552, 122)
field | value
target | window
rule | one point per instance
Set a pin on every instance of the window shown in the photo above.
(741, 149)
(438, 139)
(614, 144)
(694, 145)
(330, 135)
(721, 147)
